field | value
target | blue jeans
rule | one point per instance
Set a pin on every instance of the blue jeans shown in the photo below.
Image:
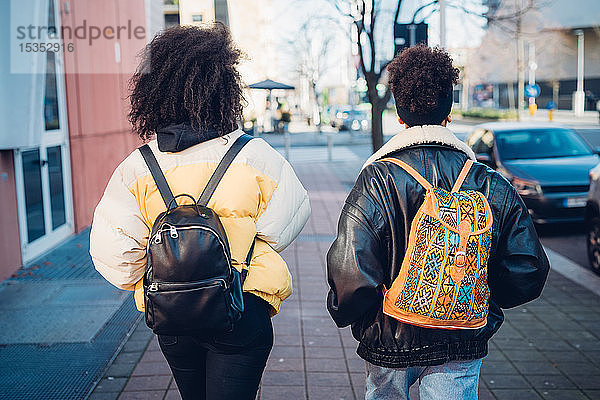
(453, 380)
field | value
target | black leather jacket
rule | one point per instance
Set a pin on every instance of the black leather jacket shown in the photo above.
(373, 237)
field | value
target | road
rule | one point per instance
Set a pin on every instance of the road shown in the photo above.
(569, 240)
(591, 135)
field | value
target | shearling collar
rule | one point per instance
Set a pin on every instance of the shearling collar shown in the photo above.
(425, 134)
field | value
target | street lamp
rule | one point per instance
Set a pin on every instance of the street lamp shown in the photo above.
(579, 95)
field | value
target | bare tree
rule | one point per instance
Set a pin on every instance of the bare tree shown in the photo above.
(511, 21)
(508, 18)
(310, 47)
(364, 15)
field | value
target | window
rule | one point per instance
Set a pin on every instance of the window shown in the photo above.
(541, 143)
(171, 20)
(34, 203)
(57, 187)
(481, 141)
(221, 12)
(51, 120)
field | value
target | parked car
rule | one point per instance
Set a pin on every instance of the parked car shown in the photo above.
(349, 119)
(592, 219)
(547, 163)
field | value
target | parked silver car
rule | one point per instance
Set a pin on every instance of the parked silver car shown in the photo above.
(349, 119)
(547, 163)
(592, 219)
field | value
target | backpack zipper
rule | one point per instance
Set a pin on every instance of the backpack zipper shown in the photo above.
(154, 286)
(172, 229)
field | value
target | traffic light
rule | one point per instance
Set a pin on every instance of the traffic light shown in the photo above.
(407, 35)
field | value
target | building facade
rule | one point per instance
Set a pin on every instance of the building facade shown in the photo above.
(64, 105)
(251, 25)
(548, 37)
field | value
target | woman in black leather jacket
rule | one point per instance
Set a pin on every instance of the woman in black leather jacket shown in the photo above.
(373, 236)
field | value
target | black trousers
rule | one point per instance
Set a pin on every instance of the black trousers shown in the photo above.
(228, 367)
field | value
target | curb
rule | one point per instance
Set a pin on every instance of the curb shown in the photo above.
(573, 271)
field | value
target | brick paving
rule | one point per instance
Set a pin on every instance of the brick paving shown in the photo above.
(548, 349)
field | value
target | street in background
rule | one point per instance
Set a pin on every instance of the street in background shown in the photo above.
(547, 164)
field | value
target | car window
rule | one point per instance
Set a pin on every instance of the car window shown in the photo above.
(540, 143)
(475, 137)
(481, 141)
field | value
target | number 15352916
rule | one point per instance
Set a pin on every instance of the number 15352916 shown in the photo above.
(35, 47)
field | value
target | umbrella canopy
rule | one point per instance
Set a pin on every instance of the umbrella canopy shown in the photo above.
(270, 84)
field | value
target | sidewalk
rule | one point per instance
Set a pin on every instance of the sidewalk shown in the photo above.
(61, 323)
(548, 349)
(563, 117)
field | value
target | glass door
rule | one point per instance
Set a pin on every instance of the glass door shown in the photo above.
(43, 173)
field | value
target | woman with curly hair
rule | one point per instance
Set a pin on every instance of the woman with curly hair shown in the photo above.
(390, 232)
(187, 101)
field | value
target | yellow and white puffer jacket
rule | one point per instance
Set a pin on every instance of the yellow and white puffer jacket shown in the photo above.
(259, 196)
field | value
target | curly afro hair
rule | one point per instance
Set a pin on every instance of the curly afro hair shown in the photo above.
(188, 75)
(421, 79)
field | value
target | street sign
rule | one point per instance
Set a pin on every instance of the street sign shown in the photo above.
(532, 90)
(407, 35)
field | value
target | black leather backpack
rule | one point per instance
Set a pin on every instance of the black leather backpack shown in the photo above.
(190, 286)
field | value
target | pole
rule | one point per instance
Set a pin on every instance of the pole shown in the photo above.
(532, 68)
(521, 67)
(442, 23)
(532, 65)
(287, 144)
(465, 93)
(579, 96)
(580, 57)
(412, 35)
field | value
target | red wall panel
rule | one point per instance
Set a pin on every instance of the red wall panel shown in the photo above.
(10, 244)
(99, 133)
(98, 160)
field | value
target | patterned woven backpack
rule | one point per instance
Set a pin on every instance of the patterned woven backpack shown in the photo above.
(443, 279)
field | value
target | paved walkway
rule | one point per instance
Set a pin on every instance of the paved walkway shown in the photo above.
(60, 324)
(549, 349)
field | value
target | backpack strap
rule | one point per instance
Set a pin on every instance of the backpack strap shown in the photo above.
(461, 177)
(246, 264)
(214, 180)
(157, 174)
(411, 171)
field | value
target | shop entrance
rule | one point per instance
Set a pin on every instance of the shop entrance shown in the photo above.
(43, 175)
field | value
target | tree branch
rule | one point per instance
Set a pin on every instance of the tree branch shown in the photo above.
(397, 13)
(371, 35)
(418, 10)
(531, 5)
(338, 7)
(361, 55)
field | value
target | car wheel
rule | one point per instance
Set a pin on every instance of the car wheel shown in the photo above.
(593, 245)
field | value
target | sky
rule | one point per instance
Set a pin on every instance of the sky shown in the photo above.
(462, 29)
